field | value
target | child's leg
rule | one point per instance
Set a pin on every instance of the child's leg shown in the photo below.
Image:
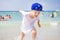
(34, 34)
(22, 36)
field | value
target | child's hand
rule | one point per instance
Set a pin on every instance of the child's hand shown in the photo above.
(39, 25)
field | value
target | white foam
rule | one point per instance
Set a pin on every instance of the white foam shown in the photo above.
(54, 23)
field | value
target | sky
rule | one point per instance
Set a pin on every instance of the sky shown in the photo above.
(15, 5)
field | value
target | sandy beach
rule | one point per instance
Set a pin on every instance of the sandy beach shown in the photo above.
(12, 32)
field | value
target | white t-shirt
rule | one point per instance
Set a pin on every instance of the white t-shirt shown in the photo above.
(27, 22)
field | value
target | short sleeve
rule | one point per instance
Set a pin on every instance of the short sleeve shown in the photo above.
(23, 12)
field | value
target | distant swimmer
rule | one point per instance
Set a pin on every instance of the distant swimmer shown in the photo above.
(6, 18)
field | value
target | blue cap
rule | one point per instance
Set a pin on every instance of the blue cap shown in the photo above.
(36, 6)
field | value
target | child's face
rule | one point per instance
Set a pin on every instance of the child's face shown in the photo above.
(36, 13)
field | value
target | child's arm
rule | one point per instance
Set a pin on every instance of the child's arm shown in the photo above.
(22, 12)
(39, 23)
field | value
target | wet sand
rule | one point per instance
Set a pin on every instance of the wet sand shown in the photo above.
(44, 33)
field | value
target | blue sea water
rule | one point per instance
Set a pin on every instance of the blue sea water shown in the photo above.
(17, 16)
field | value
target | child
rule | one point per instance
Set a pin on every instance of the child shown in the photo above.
(29, 19)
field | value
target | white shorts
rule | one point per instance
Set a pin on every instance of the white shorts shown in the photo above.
(27, 29)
